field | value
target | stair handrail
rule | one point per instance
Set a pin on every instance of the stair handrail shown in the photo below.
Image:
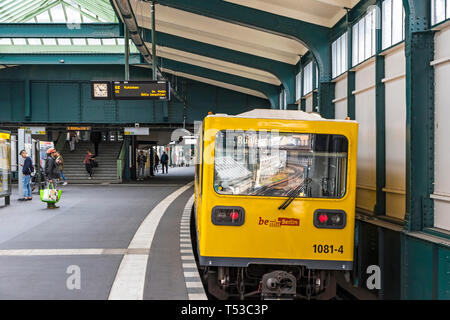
(121, 161)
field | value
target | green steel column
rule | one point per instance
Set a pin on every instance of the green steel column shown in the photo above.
(302, 101)
(351, 79)
(380, 115)
(351, 101)
(154, 60)
(419, 50)
(380, 119)
(315, 92)
(27, 96)
(126, 173)
(127, 53)
(326, 97)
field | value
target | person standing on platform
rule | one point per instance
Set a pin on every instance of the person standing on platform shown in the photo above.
(72, 140)
(26, 180)
(60, 162)
(52, 172)
(141, 160)
(156, 162)
(164, 162)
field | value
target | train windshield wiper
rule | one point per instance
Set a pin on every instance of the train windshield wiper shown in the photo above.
(294, 193)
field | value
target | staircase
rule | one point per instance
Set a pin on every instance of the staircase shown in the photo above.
(106, 172)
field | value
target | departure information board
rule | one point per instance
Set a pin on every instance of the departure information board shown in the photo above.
(141, 90)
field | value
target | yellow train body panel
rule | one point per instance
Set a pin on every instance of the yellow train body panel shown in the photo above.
(269, 235)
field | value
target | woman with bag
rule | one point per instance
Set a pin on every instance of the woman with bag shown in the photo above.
(52, 173)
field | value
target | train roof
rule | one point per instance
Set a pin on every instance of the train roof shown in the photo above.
(279, 114)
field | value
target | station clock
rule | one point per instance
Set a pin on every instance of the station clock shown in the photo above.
(101, 90)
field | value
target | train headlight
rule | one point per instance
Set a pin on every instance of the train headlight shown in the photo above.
(228, 216)
(330, 219)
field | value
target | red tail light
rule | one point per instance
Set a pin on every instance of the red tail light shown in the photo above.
(329, 219)
(323, 218)
(228, 216)
(234, 215)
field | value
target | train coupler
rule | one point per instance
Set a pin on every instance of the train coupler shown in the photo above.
(278, 285)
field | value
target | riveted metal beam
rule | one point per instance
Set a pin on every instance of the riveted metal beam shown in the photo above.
(60, 30)
(326, 97)
(380, 124)
(283, 71)
(419, 50)
(78, 59)
(270, 91)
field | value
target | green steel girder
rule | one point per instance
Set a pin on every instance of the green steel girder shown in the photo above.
(272, 92)
(419, 51)
(60, 30)
(326, 97)
(59, 59)
(380, 120)
(351, 100)
(283, 71)
(316, 38)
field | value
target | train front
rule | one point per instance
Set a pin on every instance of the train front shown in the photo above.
(277, 205)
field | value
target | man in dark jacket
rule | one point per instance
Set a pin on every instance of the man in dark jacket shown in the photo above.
(51, 171)
(141, 160)
(26, 180)
(164, 161)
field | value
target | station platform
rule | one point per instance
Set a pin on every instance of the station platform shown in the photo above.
(117, 241)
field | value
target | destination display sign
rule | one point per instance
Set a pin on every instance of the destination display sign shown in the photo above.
(141, 90)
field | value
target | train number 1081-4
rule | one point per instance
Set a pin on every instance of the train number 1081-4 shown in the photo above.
(319, 248)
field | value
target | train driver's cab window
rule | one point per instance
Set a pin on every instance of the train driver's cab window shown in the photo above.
(265, 163)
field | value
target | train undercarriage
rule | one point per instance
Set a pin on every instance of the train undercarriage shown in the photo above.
(269, 282)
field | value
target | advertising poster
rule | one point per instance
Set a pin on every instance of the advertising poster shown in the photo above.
(5, 168)
(43, 147)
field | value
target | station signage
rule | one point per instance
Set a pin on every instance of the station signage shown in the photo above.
(78, 128)
(141, 90)
(133, 131)
(34, 130)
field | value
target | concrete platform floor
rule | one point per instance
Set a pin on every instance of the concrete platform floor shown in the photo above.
(125, 237)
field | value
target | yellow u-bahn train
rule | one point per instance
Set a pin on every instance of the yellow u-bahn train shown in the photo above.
(274, 203)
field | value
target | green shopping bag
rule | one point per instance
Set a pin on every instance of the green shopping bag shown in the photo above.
(50, 195)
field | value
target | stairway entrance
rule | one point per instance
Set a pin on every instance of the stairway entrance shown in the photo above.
(106, 172)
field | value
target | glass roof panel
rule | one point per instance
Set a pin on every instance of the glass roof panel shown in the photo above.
(5, 41)
(59, 11)
(64, 41)
(49, 41)
(43, 17)
(19, 41)
(58, 15)
(79, 42)
(34, 42)
(73, 15)
(56, 11)
(63, 45)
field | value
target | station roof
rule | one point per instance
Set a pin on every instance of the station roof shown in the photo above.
(242, 45)
(73, 13)
(198, 22)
